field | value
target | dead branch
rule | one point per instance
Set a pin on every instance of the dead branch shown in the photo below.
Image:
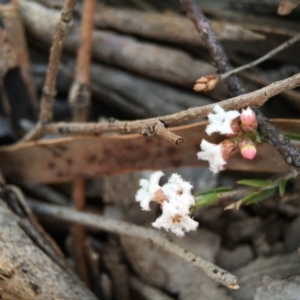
(55, 52)
(147, 126)
(164, 27)
(27, 272)
(79, 99)
(127, 229)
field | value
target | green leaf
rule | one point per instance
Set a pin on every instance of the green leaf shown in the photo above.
(255, 182)
(282, 185)
(220, 189)
(293, 136)
(208, 199)
(257, 138)
(258, 196)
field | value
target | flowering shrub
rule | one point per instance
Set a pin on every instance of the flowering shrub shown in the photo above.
(175, 197)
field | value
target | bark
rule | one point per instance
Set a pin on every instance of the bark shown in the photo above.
(163, 27)
(26, 272)
(163, 63)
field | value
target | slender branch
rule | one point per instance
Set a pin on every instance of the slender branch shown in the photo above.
(79, 99)
(127, 229)
(212, 44)
(49, 91)
(270, 54)
(147, 126)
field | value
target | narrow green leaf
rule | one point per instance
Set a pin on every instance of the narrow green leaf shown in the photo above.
(282, 185)
(208, 199)
(293, 136)
(258, 196)
(220, 189)
(255, 182)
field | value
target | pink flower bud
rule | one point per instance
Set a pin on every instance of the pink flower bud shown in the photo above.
(248, 149)
(248, 119)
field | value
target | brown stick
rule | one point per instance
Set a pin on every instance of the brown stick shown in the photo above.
(79, 99)
(255, 98)
(16, 34)
(167, 135)
(158, 26)
(55, 52)
(131, 230)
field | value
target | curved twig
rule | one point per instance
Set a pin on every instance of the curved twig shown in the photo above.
(123, 228)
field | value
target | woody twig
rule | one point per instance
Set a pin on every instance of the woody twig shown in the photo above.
(258, 61)
(79, 99)
(49, 91)
(147, 126)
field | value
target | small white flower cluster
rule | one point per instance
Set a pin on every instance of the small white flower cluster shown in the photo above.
(220, 121)
(175, 198)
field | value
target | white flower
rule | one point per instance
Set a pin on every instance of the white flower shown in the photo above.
(178, 192)
(148, 189)
(175, 220)
(213, 154)
(220, 120)
(175, 198)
